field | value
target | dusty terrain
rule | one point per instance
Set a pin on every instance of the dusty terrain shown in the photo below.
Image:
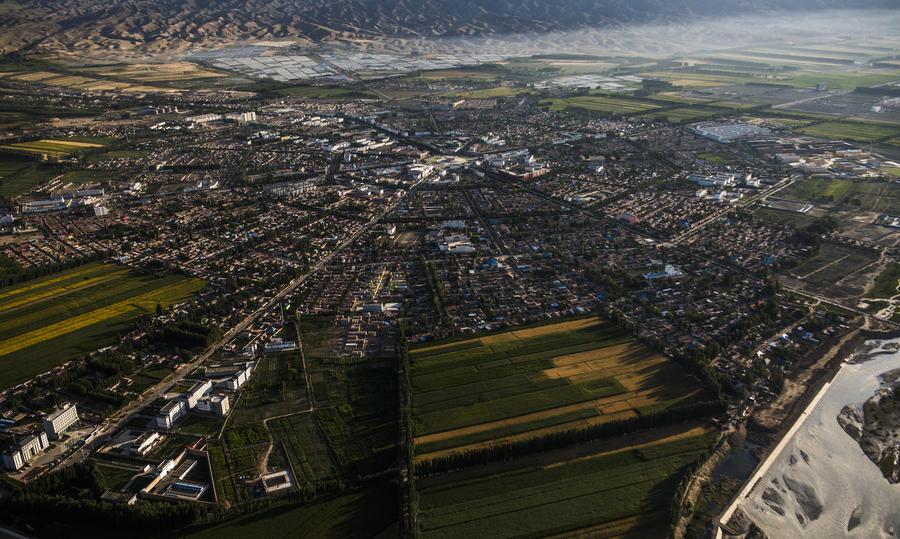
(172, 26)
(822, 484)
(875, 424)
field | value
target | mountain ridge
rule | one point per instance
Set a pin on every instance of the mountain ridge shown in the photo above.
(169, 25)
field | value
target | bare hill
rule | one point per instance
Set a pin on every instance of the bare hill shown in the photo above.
(171, 25)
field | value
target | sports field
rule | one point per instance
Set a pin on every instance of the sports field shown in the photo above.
(625, 492)
(529, 382)
(48, 321)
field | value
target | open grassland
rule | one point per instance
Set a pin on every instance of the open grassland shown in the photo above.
(54, 148)
(51, 320)
(611, 494)
(850, 130)
(362, 514)
(524, 383)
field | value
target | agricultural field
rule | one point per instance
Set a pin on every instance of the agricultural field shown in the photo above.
(350, 433)
(841, 271)
(47, 321)
(52, 148)
(546, 67)
(276, 388)
(325, 92)
(882, 197)
(623, 492)
(529, 382)
(306, 448)
(19, 176)
(84, 83)
(600, 103)
(358, 418)
(758, 68)
(499, 91)
(462, 73)
(14, 120)
(155, 73)
(363, 513)
(853, 131)
(686, 114)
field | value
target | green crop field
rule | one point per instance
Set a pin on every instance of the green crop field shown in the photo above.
(306, 448)
(276, 388)
(514, 384)
(324, 92)
(350, 435)
(18, 176)
(687, 114)
(853, 131)
(47, 321)
(600, 103)
(361, 514)
(875, 196)
(620, 491)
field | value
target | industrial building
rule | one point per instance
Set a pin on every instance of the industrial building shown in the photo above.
(730, 132)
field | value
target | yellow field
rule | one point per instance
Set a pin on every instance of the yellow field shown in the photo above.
(61, 291)
(149, 73)
(52, 147)
(649, 380)
(146, 302)
(87, 83)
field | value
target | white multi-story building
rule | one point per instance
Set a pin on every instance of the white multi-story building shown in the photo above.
(23, 452)
(57, 423)
(214, 404)
(170, 413)
(192, 395)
